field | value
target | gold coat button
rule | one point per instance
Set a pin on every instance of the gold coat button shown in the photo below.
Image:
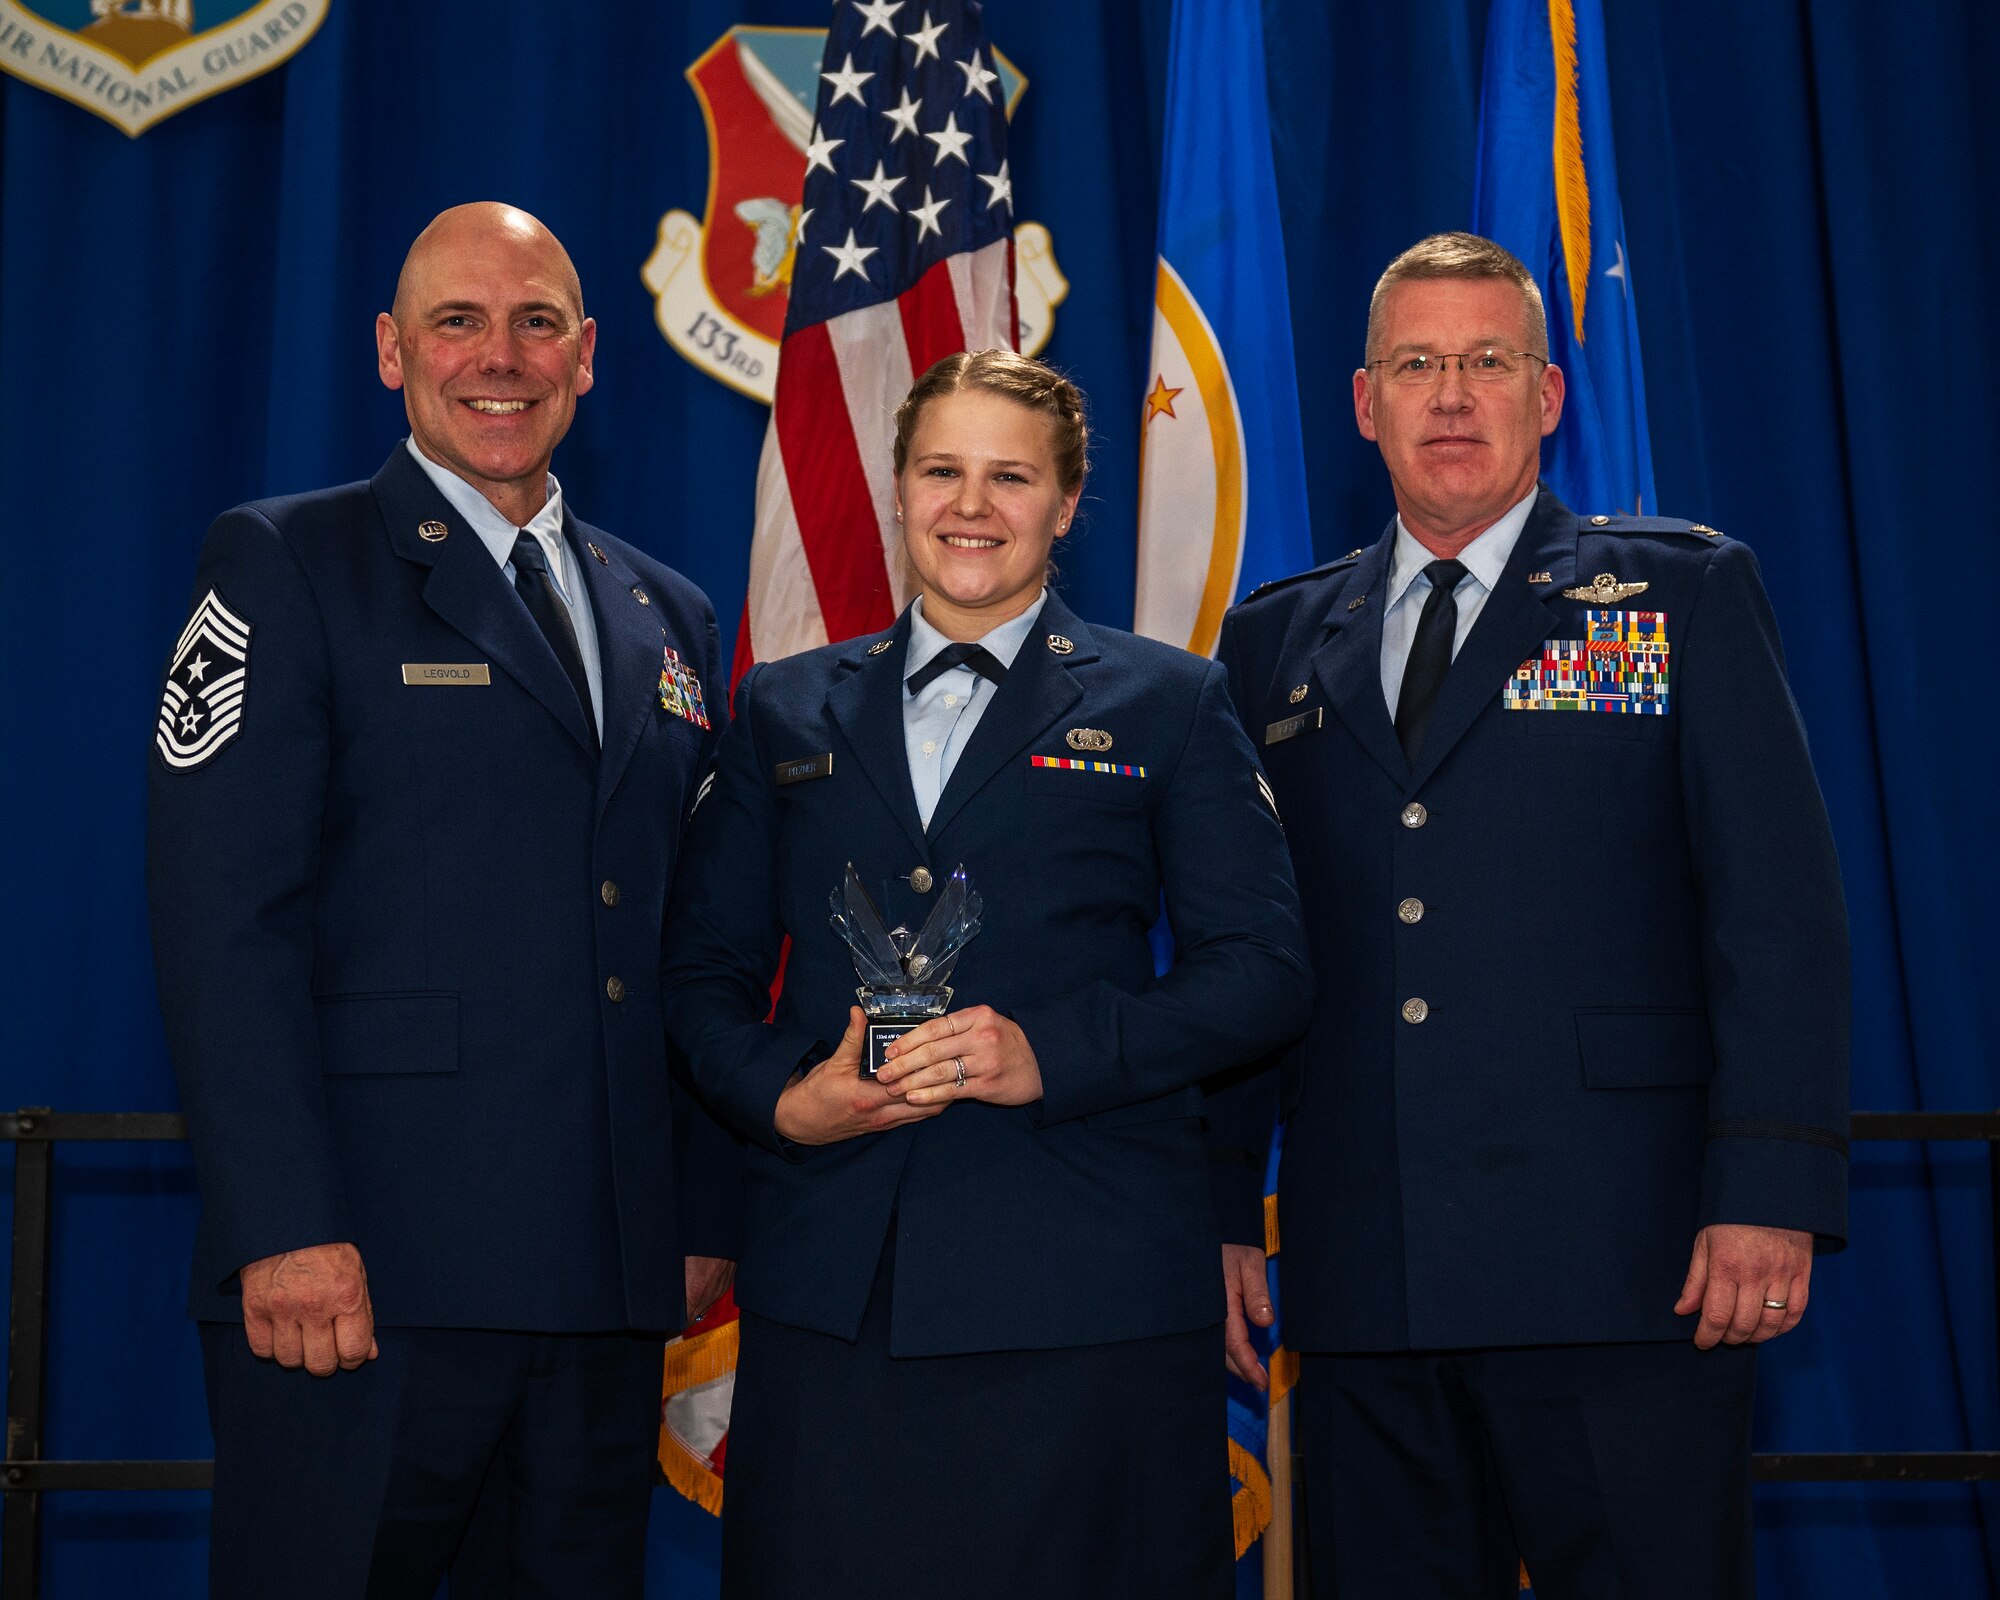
(615, 989)
(1414, 815)
(1411, 910)
(1598, 522)
(1415, 1010)
(920, 880)
(608, 892)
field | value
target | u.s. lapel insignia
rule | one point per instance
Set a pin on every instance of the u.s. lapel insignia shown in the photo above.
(1297, 694)
(1060, 645)
(603, 560)
(879, 646)
(1087, 739)
(1604, 590)
(1541, 577)
(432, 532)
(1357, 602)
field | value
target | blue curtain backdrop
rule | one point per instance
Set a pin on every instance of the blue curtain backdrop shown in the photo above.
(1811, 221)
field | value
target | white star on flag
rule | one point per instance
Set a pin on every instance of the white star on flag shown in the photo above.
(1001, 185)
(927, 214)
(880, 190)
(925, 39)
(847, 82)
(879, 14)
(819, 153)
(950, 141)
(903, 118)
(977, 78)
(850, 256)
(799, 228)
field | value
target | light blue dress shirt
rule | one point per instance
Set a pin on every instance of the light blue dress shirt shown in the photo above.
(1485, 559)
(938, 723)
(498, 535)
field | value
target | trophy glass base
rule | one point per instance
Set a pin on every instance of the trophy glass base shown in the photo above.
(880, 1032)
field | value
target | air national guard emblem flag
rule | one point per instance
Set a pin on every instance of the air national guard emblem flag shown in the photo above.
(134, 62)
(722, 285)
(201, 709)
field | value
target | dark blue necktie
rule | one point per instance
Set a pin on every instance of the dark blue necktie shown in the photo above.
(1430, 656)
(975, 656)
(537, 590)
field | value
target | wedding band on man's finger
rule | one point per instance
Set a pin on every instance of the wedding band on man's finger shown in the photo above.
(958, 1072)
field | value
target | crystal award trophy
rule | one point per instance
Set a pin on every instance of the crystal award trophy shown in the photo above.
(904, 977)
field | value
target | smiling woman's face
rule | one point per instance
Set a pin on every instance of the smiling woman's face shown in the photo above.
(981, 505)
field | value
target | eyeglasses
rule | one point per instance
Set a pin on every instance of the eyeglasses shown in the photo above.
(1418, 368)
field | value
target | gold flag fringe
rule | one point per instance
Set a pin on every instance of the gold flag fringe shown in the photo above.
(1572, 182)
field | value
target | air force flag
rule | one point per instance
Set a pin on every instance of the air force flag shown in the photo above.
(1222, 494)
(1547, 189)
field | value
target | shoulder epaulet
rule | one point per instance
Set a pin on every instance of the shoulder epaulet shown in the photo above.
(1307, 576)
(1652, 525)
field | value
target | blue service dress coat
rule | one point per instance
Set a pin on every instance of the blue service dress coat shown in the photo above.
(1085, 1217)
(1582, 973)
(407, 919)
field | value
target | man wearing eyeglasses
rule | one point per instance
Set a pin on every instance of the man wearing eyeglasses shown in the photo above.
(1569, 1123)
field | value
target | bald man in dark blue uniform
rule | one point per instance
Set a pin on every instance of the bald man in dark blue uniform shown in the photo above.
(422, 759)
(1570, 1121)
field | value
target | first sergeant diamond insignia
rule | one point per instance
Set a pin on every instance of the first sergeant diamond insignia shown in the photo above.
(201, 709)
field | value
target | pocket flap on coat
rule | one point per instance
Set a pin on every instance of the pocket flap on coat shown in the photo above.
(1644, 1048)
(388, 1033)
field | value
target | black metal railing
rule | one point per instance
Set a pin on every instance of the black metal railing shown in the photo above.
(26, 1477)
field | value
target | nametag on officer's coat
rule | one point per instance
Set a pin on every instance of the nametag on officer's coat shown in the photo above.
(800, 768)
(425, 673)
(1305, 722)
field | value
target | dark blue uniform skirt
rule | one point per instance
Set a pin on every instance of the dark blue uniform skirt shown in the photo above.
(1100, 1471)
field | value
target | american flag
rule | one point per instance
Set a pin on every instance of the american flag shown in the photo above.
(904, 254)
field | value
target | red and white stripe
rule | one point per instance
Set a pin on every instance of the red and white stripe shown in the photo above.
(825, 558)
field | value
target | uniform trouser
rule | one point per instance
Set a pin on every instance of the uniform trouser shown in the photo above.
(363, 1485)
(1615, 1472)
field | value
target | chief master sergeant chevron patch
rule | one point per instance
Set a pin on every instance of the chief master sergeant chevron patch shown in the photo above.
(202, 707)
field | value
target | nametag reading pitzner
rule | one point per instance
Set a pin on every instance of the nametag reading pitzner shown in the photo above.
(805, 767)
(446, 672)
(1292, 727)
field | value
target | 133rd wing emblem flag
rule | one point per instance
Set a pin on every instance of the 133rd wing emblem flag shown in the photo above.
(134, 62)
(201, 709)
(721, 285)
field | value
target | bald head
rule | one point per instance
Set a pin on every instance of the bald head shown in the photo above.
(482, 228)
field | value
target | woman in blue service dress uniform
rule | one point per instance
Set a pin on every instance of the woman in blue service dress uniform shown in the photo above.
(981, 1295)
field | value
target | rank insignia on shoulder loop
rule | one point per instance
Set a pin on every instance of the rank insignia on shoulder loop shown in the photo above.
(1087, 739)
(432, 532)
(1297, 694)
(680, 690)
(1060, 645)
(201, 709)
(603, 560)
(879, 646)
(1604, 590)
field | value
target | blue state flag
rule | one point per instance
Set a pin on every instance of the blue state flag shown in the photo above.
(1222, 490)
(1547, 189)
